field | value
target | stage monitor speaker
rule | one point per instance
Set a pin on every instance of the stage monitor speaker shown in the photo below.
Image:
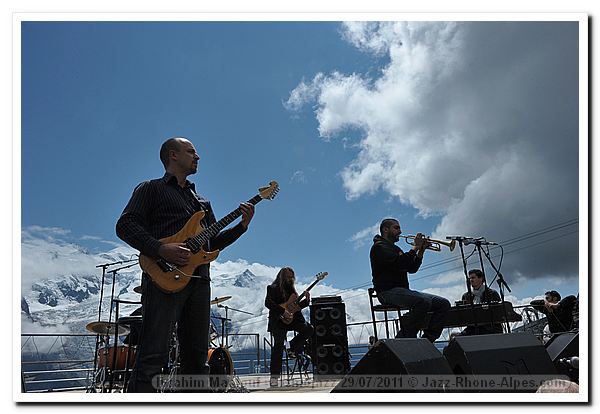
(561, 349)
(563, 345)
(381, 368)
(499, 354)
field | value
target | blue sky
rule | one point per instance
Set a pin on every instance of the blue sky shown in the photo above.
(452, 128)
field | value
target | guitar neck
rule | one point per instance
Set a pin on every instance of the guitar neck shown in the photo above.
(214, 229)
(307, 290)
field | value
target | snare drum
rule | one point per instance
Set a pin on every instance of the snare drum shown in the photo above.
(106, 355)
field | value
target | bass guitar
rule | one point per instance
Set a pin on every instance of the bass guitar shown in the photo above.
(171, 278)
(292, 305)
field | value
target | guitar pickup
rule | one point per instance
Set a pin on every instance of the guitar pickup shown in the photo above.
(164, 265)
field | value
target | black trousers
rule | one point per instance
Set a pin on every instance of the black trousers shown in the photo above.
(190, 309)
(419, 303)
(279, 331)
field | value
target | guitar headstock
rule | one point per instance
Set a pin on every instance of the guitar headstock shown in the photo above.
(321, 275)
(269, 193)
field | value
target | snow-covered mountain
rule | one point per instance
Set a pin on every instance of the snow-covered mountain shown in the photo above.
(61, 289)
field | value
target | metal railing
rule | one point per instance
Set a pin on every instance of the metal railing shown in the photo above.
(54, 364)
(49, 367)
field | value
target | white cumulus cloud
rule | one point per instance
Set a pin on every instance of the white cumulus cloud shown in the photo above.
(474, 122)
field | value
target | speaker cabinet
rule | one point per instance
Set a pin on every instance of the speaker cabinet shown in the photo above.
(561, 349)
(330, 339)
(381, 368)
(499, 354)
(563, 345)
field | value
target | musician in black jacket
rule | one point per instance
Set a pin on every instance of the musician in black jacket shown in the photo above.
(480, 293)
(558, 311)
(390, 267)
(278, 293)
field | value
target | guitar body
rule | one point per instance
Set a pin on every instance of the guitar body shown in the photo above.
(292, 304)
(175, 280)
(292, 307)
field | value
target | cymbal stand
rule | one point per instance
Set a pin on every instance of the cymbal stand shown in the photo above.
(100, 374)
(128, 355)
(104, 266)
(173, 364)
(226, 319)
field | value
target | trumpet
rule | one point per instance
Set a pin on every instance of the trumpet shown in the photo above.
(435, 245)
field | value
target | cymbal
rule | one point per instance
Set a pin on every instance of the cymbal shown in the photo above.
(138, 289)
(106, 328)
(216, 301)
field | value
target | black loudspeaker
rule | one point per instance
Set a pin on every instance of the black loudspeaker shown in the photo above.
(499, 354)
(563, 345)
(381, 368)
(561, 349)
(330, 340)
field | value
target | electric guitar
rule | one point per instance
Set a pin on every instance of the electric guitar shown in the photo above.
(292, 305)
(171, 278)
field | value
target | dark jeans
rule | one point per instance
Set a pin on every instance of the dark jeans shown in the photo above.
(279, 331)
(190, 308)
(420, 304)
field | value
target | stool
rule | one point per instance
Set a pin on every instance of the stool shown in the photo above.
(385, 309)
(301, 363)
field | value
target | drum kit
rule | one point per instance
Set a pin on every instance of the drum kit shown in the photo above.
(113, 364)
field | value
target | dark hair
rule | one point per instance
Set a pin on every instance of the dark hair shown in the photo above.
(172, 144)
(386, 223)
(553, 293)
(278, 282)
(477, 273)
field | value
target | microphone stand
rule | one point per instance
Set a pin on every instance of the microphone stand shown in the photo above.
(501, 285)
(464, 261)
(469, 291)
(98, 341)
(478, 244)
(112, 294)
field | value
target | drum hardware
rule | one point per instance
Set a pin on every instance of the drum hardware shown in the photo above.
(218, 300)
(99, 338)
(106, 328)
(221, 368)
(223, 320)
(113, 362)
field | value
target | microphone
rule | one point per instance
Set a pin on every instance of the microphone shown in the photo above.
(457, 238)
(471, 240)
(572, 362)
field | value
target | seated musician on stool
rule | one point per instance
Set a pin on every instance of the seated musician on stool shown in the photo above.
(559, 312)
(278, 293)
(480, 293)
(390, 267)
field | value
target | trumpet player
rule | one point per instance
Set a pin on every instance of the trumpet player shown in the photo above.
(390, 267)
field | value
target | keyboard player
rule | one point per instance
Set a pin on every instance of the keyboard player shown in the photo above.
(480, 294)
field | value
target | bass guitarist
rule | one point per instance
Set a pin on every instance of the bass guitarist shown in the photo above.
(158, 209)
(278, 293)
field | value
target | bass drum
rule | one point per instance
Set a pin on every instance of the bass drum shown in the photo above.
(221, 368)
(125, 357)
(220, 361)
